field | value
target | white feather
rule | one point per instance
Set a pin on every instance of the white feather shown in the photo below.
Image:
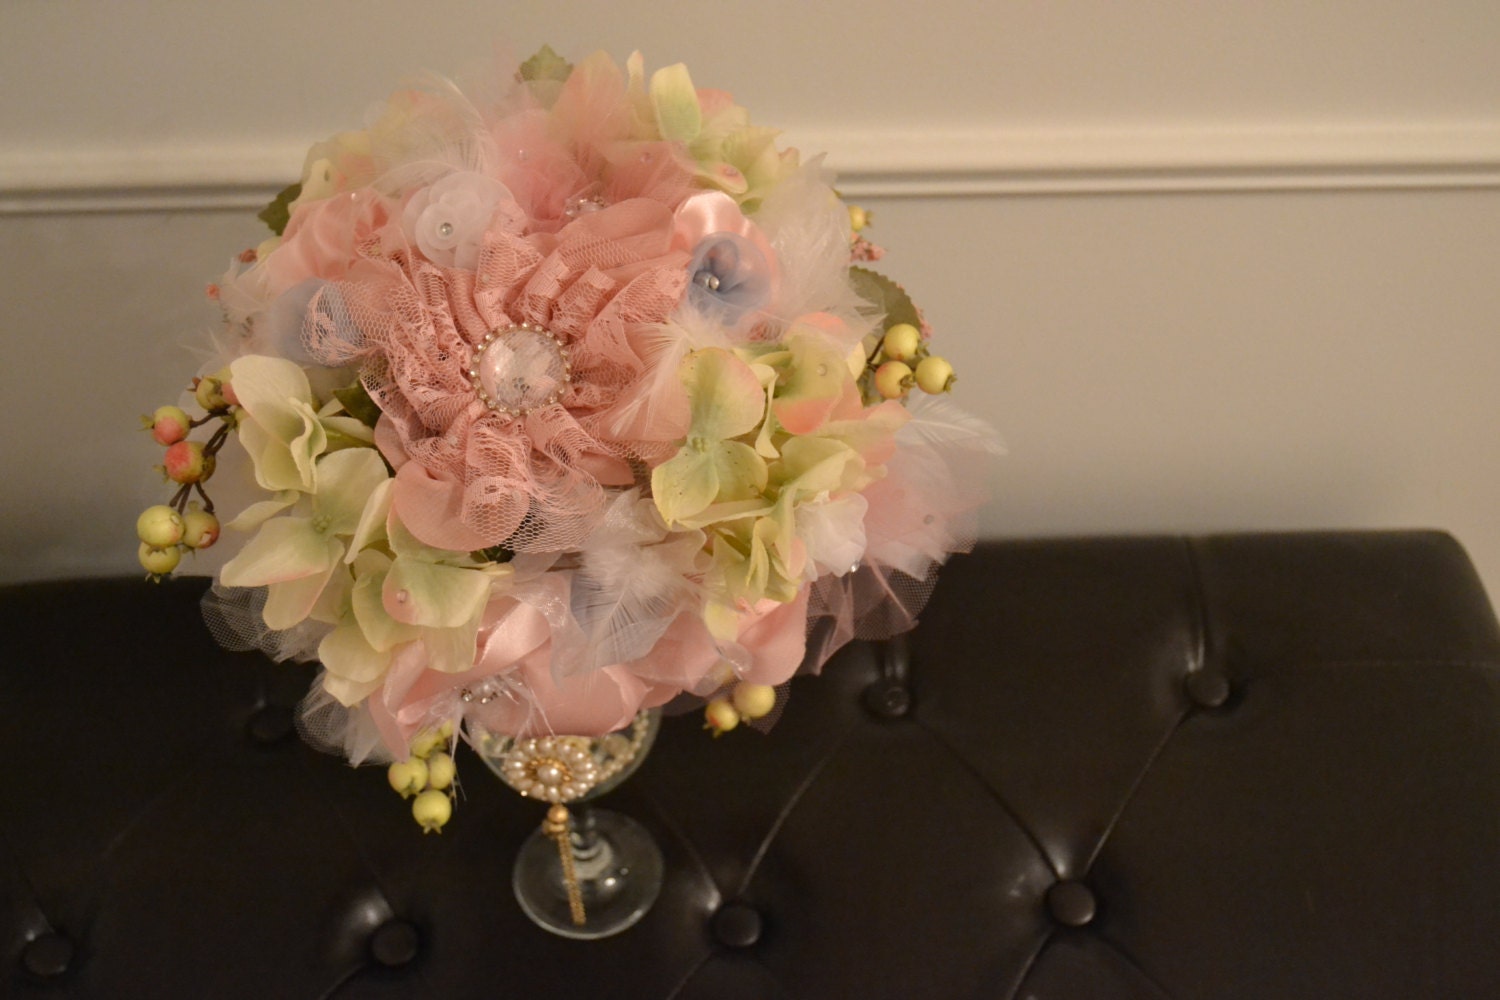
(938, 422)
(808, 227)
(631, 582)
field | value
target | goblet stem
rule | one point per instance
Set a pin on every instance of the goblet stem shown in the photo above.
(617, 868)
(585, 873)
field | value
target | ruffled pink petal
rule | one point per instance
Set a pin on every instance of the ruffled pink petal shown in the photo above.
(775, 635)
(431, 509)
(321, 238)
(590, 704)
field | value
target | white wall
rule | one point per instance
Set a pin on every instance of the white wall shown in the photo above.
(1207, 266)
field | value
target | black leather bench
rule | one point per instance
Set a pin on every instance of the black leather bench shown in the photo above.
(1254, 766)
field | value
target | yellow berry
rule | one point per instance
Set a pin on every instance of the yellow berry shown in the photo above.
(440, 770)
(212, 392)
(720, 716)
(754, 701)
(901, 342)
(427, 741)
(200, 528)
(159, 526)
(893, 379)
(408, 776)
(431, 810)
(159, 562)
(935, 375)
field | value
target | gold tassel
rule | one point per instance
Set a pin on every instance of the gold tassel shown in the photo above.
(556, 826)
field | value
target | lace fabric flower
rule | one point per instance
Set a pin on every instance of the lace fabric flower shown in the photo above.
(469, 475)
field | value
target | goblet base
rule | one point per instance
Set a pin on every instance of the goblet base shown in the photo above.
(618, 867)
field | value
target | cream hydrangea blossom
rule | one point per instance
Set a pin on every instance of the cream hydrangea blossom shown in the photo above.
(294, 555)
(399, 593)
(281, 426)
(732, 155)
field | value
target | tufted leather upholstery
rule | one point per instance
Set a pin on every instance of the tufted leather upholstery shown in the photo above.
(1232, 767)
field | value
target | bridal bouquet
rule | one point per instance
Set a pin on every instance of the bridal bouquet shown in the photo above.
(555, 403)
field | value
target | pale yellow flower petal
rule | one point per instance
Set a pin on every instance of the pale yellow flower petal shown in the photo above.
(288, 604)
(684, 485)
(434, 595)
(741, 472)
(346, 482)
(678, 115)
(257, 513)
(285, 548)
(452, 650)
(725, 394)
(380, 630)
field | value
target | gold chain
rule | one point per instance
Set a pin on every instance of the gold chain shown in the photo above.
(556, 826)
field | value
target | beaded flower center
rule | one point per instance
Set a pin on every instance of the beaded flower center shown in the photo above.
(520, 368)
(558, 769)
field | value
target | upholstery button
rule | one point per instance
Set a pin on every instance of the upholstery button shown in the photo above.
(1207, 688)
(48, 955)
(887, 700)
(394, 943)
(1071, 903)
(270, 724)
(737, 925)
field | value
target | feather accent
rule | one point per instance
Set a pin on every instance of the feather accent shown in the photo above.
(631, 582)
(808, 228)
(926, 506)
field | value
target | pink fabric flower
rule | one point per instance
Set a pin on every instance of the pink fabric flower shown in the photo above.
(325, 238)
(469, 476)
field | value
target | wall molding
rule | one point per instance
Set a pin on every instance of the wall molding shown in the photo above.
(872, 163)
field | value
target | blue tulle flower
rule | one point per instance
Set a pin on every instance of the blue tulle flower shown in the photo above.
(731, 278)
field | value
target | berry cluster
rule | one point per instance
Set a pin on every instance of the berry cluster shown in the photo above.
(899, 360)
(746, 701)
(426, 777)
(184, 523)
(903, 361)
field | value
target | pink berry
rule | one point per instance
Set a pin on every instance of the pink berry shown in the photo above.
(169, 424)
(187, 463)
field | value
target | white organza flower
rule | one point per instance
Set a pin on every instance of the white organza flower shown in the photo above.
(447, 220)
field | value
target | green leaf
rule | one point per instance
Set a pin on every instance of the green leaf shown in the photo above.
(546, 65)
(885, 297)
(279, 213)
(358, 404)
(495, 553)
